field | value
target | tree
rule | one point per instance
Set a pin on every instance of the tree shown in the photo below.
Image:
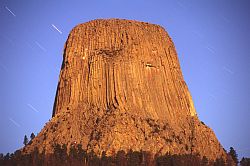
(93, 159)
(147, 158)
(245, 161)
(234, 155)
(25, 140)
(104, 158)
(73, 152)
(219, 162)
(7, 157)
(81, 154)
(230, 160)
(1, 159)
(1, 156)
(134, 157)
(204, 160)
(32, 136)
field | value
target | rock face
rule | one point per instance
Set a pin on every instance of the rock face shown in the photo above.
(121, 88)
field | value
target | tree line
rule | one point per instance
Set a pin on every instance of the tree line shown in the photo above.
(77, 156)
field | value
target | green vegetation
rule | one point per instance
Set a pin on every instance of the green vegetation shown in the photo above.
(25, 140)
(75, 156)
(245, 161)
(234, 155)
(32, 136)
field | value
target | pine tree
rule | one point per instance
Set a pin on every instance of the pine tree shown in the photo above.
(25, 140)
(204, 160)
(32, 136)
(245, 161)
(234, 155)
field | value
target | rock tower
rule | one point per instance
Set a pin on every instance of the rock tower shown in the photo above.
(121, 88)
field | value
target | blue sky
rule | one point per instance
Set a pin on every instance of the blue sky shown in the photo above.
(211, 37)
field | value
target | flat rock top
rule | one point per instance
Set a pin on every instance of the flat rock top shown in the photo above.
(117, 22)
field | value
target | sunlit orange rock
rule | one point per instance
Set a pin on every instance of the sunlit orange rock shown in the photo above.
(121, 88)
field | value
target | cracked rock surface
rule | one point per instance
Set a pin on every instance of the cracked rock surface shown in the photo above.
(121, 88)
